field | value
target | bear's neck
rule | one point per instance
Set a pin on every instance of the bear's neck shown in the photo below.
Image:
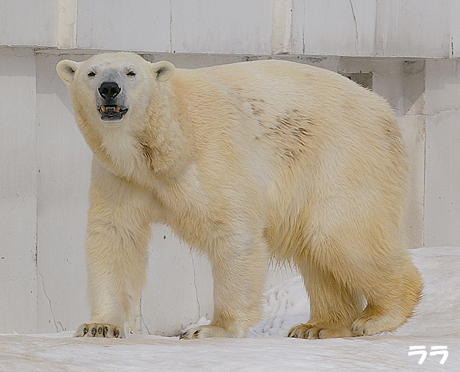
(158, 149)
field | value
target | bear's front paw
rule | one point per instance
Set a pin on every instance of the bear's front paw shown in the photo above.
(318, 331)
(99, 330)
(204, 332)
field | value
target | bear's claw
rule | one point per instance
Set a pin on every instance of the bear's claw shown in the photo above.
(189, 335)
(99, 330)
(318, 331)
(204, 332)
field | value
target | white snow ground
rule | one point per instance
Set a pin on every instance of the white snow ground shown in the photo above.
(436, 324)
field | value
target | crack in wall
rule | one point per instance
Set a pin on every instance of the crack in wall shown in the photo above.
(145, 325)
(194, 283)
(303, 27)
(436, 113)
(170, 27)
(51, 307)
(356, 24)
(142, 319)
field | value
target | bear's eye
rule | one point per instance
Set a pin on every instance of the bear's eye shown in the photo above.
(131, 73)
(91, 74)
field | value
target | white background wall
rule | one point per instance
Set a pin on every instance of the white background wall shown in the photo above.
(388, 28)
(442, 177)
(409, 46)
(18, 190)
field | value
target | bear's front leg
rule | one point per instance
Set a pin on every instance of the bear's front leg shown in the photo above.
(239, 266)
(116, 251)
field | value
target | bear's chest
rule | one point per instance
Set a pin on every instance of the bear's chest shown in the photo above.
(124, 153)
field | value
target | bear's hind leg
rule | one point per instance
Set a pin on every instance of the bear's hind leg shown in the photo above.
(333, 307)
(391, 299)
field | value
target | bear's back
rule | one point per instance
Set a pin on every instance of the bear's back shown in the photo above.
(285, 85)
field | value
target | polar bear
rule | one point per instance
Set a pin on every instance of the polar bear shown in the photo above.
(246, 162)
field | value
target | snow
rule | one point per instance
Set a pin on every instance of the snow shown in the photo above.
(436, 323)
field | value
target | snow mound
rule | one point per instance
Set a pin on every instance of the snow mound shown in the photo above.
(435, 325)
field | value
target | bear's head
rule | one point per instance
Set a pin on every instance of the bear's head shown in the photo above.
(109, 88)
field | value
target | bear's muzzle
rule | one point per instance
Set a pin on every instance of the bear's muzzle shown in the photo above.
(111, 109)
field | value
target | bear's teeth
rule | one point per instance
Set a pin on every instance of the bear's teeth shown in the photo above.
(103, 108)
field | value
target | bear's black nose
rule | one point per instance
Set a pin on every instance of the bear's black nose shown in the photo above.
(109, 90)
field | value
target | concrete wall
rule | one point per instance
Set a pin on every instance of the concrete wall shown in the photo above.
(407, 47)
(18, 190)
(29, 23)
(388, 28)
(360, 28)
(442, 177)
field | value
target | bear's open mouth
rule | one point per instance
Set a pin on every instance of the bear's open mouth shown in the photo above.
(112, 112)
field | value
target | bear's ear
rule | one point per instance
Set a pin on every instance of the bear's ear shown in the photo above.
(163, 70)
(66, 70)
